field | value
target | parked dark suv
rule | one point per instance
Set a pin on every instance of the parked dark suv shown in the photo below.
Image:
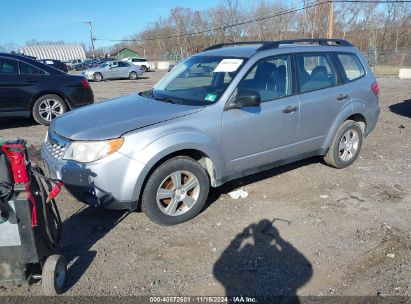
(30, 88)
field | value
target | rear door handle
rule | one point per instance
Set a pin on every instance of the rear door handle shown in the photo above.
(342, 97)
(290, 109)
(30, 80)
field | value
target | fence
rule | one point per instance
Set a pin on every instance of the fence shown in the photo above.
(388, 63)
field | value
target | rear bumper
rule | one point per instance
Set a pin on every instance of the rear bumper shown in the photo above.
(81, 99)
(372, 119)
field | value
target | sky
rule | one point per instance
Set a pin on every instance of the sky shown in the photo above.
(56, 20)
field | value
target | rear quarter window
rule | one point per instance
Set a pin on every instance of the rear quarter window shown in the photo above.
(352, 66)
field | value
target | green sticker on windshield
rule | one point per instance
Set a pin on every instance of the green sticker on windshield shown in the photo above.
(210, 97)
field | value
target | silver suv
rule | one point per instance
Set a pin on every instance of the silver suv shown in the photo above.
(229, 111)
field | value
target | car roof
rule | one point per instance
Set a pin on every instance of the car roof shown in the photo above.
(248, 51)
(33, 62)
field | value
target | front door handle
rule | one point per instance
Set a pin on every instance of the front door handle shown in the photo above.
(342, 97)
(290, 109)
(30, 80)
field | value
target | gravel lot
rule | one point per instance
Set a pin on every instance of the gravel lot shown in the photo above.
(304, 229)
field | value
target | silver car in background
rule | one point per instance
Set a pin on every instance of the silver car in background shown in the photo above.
(219, 115)
(113, 70)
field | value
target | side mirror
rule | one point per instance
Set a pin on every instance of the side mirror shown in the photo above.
(247, 98)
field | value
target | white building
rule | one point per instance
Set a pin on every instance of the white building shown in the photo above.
(62, 52)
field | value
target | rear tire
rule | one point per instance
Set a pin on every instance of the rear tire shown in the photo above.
(176, 191)
(345, 146)
(97, 77)
(132, 76)
(144, 68)
(48, 107)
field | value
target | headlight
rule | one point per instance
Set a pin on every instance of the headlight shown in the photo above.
(89, 151)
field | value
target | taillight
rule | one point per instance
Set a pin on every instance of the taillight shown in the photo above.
(375, 88)
(85, 84)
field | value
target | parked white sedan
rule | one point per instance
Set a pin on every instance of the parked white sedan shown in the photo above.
(113, 70)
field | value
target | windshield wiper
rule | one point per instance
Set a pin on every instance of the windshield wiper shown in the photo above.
(168, 99)
(150, 94)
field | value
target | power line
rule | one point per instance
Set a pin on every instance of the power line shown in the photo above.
(279, 13)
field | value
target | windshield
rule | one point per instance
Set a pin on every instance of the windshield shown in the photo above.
(198, 80)
(105, 64)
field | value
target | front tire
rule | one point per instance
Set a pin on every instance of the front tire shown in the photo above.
(176, 191)
(48, 107)
(346, 145)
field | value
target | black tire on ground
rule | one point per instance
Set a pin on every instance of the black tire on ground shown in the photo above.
(54, 275)
(149, 198)
(97, 77)
(132, 75)
(40, 108)
(144, 68)
(334, 155)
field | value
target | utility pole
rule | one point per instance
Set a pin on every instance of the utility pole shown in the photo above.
(90, 23)
(330, 19)
(222, 34)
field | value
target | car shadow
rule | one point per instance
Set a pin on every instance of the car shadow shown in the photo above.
(215, 193)
(11, 123)
(260, 263)
(82, 231)
(402, 108)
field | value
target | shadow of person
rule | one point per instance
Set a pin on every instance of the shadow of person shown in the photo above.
(81, 231)
(402, 108)
(259, 263)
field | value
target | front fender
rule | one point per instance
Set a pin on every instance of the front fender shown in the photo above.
(171, 143)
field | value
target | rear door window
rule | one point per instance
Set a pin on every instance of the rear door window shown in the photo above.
(315, 71)
(352, 66)
(26, 69)
(8, 66)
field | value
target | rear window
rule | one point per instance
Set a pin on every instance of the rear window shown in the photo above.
(137, 60)
(352, 66)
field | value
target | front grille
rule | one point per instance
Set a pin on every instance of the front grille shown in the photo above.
(56, 145)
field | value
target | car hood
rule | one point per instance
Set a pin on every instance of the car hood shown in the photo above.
(112, 118)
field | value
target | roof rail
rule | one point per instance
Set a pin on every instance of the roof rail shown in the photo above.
(220, 45)
(320, 41)
(266, 45)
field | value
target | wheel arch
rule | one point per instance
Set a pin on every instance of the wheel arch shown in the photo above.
(203, 158)
(347, 114)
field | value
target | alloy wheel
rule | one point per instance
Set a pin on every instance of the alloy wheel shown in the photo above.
(178, 193)
(348, 145)
(50, 109)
